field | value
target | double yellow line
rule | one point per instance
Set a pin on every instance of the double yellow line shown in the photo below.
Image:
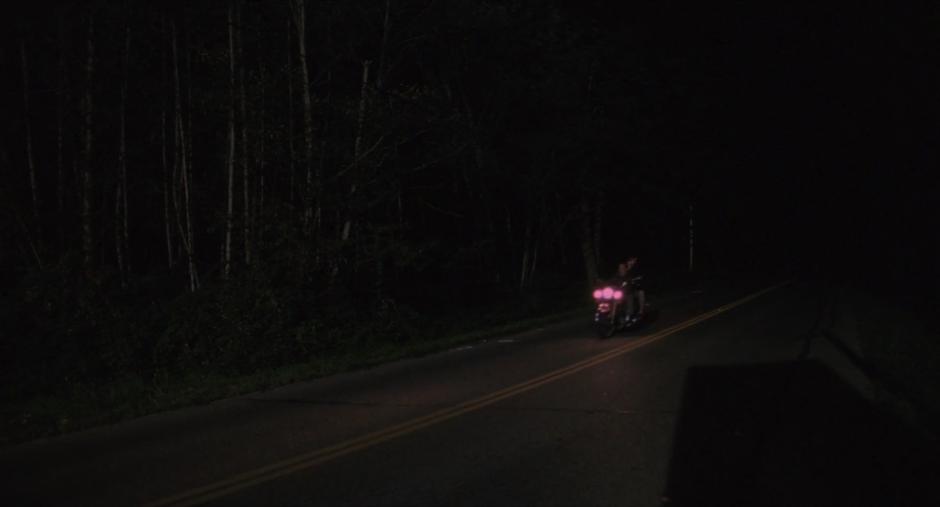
(273, 471)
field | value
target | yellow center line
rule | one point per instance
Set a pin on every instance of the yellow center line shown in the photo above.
(240, 481)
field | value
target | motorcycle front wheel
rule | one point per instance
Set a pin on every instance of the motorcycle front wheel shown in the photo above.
(605, 328)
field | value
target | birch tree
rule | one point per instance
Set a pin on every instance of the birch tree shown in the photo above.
(290, 115)
(589, 231)
(30, 162)
(260, 164)
(88, 144)
(380, 73)
(246, 186)
(62, 98)
(120, 198)
(182, 159)
(230, 161)
(299, 16)
(167, 178)
(357, 146)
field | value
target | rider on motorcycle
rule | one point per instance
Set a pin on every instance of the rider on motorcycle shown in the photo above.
(627, 275)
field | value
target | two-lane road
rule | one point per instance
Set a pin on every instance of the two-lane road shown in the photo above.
(728, 399)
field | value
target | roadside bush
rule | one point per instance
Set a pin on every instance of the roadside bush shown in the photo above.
(78, 352)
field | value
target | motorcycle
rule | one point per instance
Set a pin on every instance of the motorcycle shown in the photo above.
(610, 313)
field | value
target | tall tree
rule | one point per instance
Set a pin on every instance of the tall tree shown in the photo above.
(299, 16)
(88, 144)
(230, 160)
(246, 185)
(590, 231)
(260, 164)
(290, 115)
(30, 163)
(530, 248)
(62, 98)
(182, 158)
(357, 148)
(120, 198)
(380, 72)
(167, 178)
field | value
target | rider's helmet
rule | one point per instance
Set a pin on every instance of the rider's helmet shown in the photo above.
(630, 261)
(622, 268)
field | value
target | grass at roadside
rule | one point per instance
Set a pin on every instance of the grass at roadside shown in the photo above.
(84, 407)
(200, 335)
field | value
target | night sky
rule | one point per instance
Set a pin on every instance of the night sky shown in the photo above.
(817, 125)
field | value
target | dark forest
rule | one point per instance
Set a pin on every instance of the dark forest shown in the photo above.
(199, 192)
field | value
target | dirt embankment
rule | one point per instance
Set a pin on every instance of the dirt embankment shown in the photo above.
(897, 345)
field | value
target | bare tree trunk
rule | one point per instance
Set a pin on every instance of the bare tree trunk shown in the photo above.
(363, 89)
(529, 258)
(325, 131)
(557, 242)
(691, 239)
(380, 74)
(29, 139)
(190, 247)
(357, 148)
(524, 269)
(87, 176)
(175, 183)
(290, 116)
(300, 24)
(538, 227)
(120, 201)
(598, 225)
(29, 238)
(118, 243)
(246, 182)
(259, 210)
(61, 94)
(534, 262)
(127, 50)
(587, 244)
(187, 141)
(229, 213)
(187, 173)
(167, 179)
(187, 234)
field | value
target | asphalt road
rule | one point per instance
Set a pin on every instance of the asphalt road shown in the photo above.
(715, 403)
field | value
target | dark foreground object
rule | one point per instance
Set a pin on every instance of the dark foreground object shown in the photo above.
(793, 434)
